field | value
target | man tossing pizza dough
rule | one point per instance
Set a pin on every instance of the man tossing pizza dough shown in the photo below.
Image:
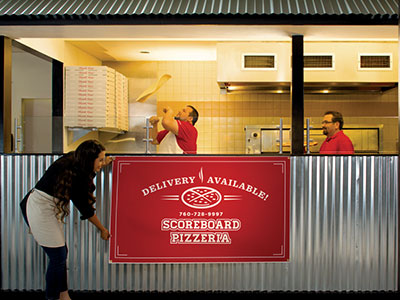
(179, 135)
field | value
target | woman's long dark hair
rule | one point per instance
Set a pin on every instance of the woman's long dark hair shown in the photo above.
(81, 160)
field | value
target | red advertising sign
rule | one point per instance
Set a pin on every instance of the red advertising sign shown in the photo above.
(184, 209)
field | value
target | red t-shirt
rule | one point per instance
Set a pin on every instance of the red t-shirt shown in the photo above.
(186, 138)
(337, 144)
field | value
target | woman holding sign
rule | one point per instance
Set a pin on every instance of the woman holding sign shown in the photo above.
(45, 207)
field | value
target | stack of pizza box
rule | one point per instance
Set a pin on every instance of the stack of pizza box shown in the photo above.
(75, 96)
(121, 99)
(101, 97)
(91, 97)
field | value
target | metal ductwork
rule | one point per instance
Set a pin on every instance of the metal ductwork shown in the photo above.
(329, 67)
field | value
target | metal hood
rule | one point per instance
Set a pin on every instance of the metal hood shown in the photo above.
(329, 67)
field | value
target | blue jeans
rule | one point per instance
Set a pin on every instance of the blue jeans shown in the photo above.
(56, 274)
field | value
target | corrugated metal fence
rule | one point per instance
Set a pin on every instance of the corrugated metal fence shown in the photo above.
(344, 215)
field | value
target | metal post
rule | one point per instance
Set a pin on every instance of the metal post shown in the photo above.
(297, 96)
(147, 139)
(18, 136)
(5, 95)
(398, 167)
(57, 143)
(280, 140)
(280, 136)
(308, 136)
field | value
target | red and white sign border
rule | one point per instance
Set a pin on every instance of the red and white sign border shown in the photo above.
(282, 254)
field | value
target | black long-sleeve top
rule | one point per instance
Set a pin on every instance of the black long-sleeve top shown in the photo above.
(80, 188)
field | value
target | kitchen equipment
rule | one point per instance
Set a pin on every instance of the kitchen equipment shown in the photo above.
(265, 139)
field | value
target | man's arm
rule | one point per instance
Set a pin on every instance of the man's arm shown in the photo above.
(154, 131)
(168, 121)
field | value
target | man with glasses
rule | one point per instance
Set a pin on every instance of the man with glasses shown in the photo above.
(336, 141)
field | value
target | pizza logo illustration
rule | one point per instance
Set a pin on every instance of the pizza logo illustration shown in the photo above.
(201, 197)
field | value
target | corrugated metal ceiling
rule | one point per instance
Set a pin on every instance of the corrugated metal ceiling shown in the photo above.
(198, 7)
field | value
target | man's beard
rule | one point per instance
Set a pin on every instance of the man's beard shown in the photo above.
(176, 118)
(325, 132)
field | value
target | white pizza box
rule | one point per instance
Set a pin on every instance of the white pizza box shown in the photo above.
(75, 93)
(100, 69)
(76, 68)
(99, 111)
(75, 121)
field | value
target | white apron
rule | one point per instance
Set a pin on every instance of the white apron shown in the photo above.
(41, 211)
(169, 145)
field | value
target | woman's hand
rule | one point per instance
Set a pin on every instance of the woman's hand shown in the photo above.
(108, 160)
(105, 235)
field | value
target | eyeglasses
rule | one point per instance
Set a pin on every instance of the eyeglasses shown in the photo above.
(326, 122)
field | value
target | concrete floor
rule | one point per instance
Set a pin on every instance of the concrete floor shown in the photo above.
(87, 295)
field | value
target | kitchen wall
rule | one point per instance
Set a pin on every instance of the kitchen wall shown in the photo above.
(25, 81)
(26, 84)
(61, 50)
(223, 117)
